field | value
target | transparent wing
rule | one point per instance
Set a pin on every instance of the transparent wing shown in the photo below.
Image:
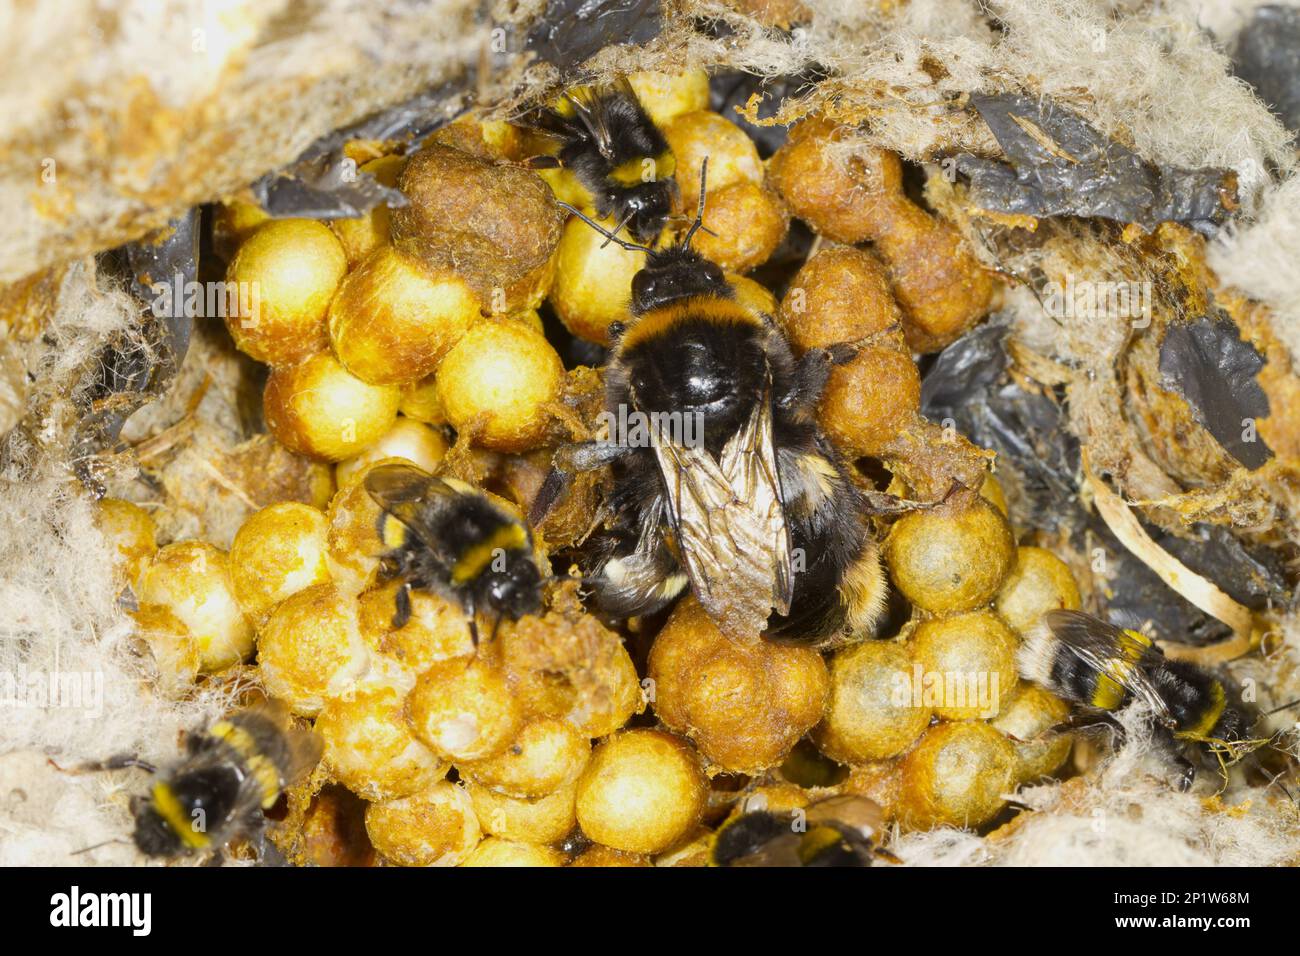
(294, 749)
(1113, 652)
(589, 109)
(729, 520)
(411, 495)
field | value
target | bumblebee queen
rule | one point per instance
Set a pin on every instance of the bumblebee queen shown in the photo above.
(757, 515)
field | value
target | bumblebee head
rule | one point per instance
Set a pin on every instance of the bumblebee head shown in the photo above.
(153, 835)
(515, 590)
(673, 274)
(646, 209)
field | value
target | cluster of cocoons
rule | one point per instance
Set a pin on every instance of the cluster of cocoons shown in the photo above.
(855, 195)
(413, 335)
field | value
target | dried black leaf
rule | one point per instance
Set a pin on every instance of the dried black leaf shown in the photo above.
(174, 259)
(1207, 362)
(1267, 56)
(324, 184)
(1059, 165)
(967, 384)
(326, 187)
(136, 365)
(570, 32)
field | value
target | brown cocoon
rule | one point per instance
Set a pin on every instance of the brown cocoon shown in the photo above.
(1039, 582)
(958, 775)
(871, 399)
(394, 317)
(318, 408)
(964, 658)
(744, 705)
(748, 223)
(872, 713)
(288, 269)
(495, 223)
(840, 295)
(952, 557)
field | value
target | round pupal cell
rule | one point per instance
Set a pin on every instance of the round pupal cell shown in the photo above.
(434, 827)
(282, 278)
(191, 579)
(278, 552)
(310, 649)
(642, 792)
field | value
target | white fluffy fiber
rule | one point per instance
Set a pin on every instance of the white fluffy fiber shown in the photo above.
(60, 622)
(1263, 259)
(1127, 813)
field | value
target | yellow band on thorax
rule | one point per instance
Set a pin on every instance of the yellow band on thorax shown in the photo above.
(644, 169)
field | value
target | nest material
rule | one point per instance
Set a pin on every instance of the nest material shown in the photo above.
(136, 140)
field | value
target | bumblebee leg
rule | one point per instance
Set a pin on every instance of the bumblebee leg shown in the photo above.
(118, 762)
(403, 602)
(539, 162)
(1087, 723)
(581, 456)
(1186, 773)
(811, 372)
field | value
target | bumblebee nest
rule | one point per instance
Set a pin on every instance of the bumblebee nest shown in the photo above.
(1148, 75)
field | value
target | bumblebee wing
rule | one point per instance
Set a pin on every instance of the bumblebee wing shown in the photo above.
(279, 751)
(1113, 653)
(730, 525)
(411, 495)
(782, 851)
(859, 814)
(590, 111)
(749, 464)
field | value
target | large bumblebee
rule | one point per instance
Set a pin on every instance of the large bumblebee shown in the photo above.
(445, 536)
(755, 511)
(606, 139)
(838, 831)
(231, 772)
(1104, 668)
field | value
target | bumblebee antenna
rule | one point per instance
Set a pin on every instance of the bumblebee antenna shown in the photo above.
(96, 846)
(699, 212)
(1278, 710)
(609, 236)
(617, 229)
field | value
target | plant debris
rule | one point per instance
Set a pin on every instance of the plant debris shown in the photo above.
(1059, 165)
(1207, 363)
